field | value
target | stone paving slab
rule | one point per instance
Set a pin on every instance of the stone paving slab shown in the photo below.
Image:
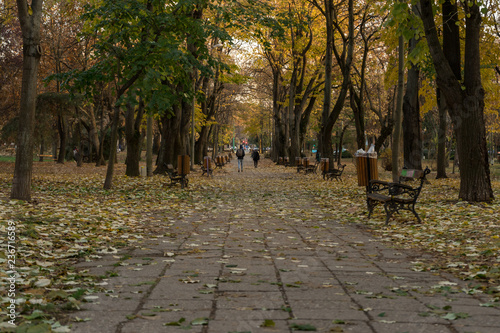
(257, 266)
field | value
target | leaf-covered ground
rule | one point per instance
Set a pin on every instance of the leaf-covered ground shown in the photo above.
(72, 218)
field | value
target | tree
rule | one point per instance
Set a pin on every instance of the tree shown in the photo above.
(30, 20)
(465, 101)
(344, 56)
(451, 49)
(412, 129)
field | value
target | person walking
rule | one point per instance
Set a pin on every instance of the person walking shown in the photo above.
(240, 153)
(255, 157)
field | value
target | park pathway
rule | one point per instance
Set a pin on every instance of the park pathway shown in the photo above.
(267, 258)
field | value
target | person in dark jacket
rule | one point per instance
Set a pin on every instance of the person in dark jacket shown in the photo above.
(240, 153)
(255, 157)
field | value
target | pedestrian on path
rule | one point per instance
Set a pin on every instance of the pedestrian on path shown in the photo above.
(255, 157)
(240, 153)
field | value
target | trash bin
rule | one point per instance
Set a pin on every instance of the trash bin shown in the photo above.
(325, 165)
(366, 166)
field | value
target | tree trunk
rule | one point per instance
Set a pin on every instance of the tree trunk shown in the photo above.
(30, 26)
(345, 61)
(396, 137)
(451, 50)
(412, 139)
(134, 139)
(62, 127)
(466, 106)
(149, 147)
(324, 144)
(79, 157)
(443, 127)
(42, 149)
(100, 155)
(108, 182)
(169, 149)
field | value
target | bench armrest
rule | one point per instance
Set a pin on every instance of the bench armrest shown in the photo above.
(378, 185)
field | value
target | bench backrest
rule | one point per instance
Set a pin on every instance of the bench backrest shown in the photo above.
(407, 174)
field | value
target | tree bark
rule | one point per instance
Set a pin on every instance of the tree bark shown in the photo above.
(451, 50)
(149, 146)
(412, 139)
(344, 59)
(108, 182)
(466, 106)
(134, 138)
(396, 136)
(30, 26)
(443, 127)
(62, 128)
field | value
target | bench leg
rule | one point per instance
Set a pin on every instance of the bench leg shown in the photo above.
(370, 204)
(388, 213)
(416, 215)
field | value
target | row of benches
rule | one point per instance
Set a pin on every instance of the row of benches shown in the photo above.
(206, 168)
(219, 162)
(304, 164)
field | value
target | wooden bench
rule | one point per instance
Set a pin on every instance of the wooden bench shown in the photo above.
(206, 166)
(52, 157)
(283, 161)
(334, 173)
(175, 178)
(299, 162)
(312, 168)
(396, 196)
(219, 162)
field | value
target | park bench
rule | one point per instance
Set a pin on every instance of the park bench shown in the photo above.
(334, 173)
(206, 166)
(396, 196)
(219, 162)
(175, 178)
(312, 168)
(52, 157)
(300, 164)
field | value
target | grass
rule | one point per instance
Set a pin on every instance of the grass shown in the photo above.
(7, 158)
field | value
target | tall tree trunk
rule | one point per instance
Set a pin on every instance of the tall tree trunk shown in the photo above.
(62, 127)
(149, 146)
(412, 138)
(466, 106)
(79, 157)
(344, 59)
(133, 137)
(100, 155)
(325, 137)
(42, 149)
(108, 182)
(169, 149)
(30, 26)
(396, 136)
(443, 127)
(451, 50)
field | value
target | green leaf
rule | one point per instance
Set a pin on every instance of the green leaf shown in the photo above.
(200, 321)
(488, 305)
(303, 327)
(37, 314)
(40, 328)
(268, 323)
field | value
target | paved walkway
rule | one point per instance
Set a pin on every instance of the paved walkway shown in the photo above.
(266, 259)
